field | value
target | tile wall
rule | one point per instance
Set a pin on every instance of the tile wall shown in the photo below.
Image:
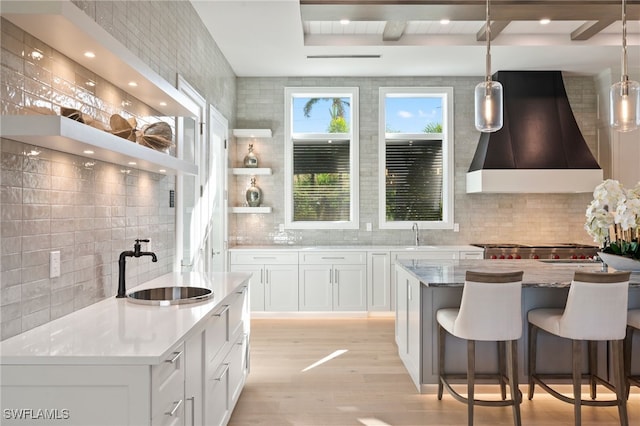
(89, 210)
(482, 217)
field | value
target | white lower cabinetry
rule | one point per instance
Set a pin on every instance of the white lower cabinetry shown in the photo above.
(333, 281)
(198, 382)
(274, 283)
(379, 281)
(408, 325)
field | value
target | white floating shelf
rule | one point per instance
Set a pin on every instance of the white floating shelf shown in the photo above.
(251, 171)
(250, 209)
(66, 28)
(252, 133)
(66, 135)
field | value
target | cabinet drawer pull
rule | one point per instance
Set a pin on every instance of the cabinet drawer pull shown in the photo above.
(222, 312)
(333, 257)
(173, 360)
(225, 370)
(264, 257)
(242, 291)
(175, 408)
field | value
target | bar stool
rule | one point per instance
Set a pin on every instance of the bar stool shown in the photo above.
(490, 310)
(596, 310)
(633, 324)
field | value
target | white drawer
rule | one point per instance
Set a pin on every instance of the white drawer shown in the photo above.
(263, 257)
(334, 258)
(217, 335)
(167, 384)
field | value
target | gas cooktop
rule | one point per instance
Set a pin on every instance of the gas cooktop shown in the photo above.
(550, 251)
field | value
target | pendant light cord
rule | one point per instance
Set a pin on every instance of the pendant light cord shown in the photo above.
(487, 33)
(625, 76)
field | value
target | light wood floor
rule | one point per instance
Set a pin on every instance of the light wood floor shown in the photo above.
(367, 385)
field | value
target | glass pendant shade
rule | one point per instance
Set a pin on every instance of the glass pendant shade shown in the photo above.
(624, 115)
(489, 106)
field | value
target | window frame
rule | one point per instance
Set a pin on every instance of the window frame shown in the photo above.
(448, 172)
(352, 136)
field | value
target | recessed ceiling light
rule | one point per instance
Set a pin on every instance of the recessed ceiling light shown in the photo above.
(132, 163)
(162, 171)
(88, 151)
(445, 21)
(545, 21)
(163, 104)
(89, 54)
(345, 21)
(90, 83)
(133, 84)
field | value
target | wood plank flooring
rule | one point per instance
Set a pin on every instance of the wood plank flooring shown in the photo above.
(366, 385)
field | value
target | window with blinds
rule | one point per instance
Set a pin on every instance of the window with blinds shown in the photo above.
(416, 160)
(321, 177)
(321, 158)
(414, 180)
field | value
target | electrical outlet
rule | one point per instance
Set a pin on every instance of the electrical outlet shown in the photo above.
(54, 264)
(281, 227)
(369, 228)
(456, 227)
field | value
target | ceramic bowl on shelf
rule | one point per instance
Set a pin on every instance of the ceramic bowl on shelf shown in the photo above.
(620, 263)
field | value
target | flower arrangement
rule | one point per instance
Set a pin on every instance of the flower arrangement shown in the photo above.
(613, 219)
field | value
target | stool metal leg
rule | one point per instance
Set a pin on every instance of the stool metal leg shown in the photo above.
(620, 379)
(442, 336)
(533, 337)
(471, 368)
(593, 366)
(628, 342)
(577, 380)
(502, 369)
(512, 371)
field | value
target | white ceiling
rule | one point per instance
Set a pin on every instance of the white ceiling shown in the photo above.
(280, 38)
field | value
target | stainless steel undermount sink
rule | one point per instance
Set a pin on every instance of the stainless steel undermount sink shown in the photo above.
(165, 296)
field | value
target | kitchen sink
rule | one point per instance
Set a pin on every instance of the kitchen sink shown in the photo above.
(165, 296)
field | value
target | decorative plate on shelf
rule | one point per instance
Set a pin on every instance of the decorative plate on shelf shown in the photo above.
(620, 263)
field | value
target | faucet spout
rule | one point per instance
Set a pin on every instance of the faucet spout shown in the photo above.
(416, 231)
(122, 264)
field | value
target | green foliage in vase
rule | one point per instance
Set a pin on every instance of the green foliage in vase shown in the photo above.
(624, 248)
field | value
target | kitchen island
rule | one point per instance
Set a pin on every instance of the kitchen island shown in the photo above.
(117, 362)
(424, 286)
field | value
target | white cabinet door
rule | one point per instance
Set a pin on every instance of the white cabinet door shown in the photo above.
(349, 288)
(315, 286)
(378, 281)
(281, 288)
(401, 280)
(256, 284)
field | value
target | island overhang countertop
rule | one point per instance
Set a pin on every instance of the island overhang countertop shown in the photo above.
(451, 273)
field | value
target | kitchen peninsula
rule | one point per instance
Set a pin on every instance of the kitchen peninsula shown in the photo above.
(424, 286)
(117, 362)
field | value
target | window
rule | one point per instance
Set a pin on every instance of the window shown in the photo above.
(321, 158)
(416, 158)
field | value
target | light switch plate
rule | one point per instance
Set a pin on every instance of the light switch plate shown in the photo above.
(54, 264)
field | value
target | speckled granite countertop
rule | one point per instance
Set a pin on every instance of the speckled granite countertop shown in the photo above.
(451, 273)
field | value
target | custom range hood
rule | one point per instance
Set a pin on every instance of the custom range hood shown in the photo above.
(540, 148)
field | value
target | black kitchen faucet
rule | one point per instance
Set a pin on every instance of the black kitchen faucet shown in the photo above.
(122, 263)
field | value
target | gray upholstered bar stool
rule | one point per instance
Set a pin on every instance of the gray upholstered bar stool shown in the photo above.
(633, 324)
(596, 310)
(490, 310)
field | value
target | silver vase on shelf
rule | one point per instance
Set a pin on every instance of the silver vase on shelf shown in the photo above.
(254, 194)
(250, 160)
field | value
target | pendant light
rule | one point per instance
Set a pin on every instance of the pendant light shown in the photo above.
(488, 94)
(624, 99)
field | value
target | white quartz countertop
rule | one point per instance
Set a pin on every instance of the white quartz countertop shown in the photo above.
(361, 248)
(117, 331)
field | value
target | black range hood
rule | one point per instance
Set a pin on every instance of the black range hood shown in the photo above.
(540, 147)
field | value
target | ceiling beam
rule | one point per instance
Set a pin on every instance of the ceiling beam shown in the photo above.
(589, 29)
(393, 30)
(496, 29)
